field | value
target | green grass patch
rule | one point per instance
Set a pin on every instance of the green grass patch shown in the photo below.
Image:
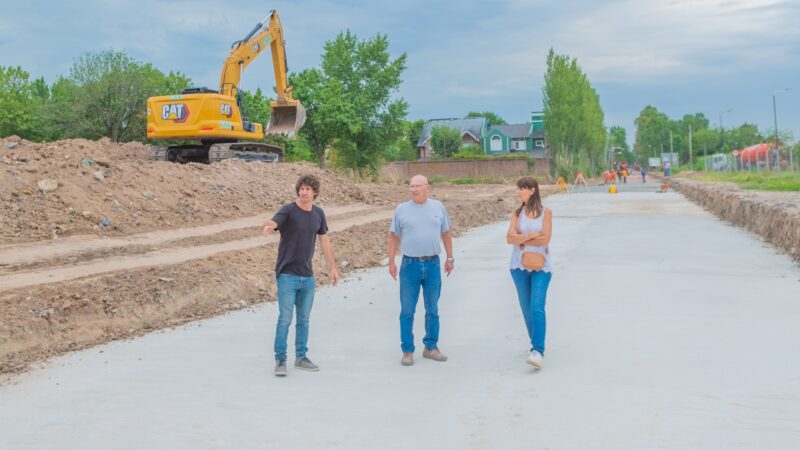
(479, 180)
(762, 181)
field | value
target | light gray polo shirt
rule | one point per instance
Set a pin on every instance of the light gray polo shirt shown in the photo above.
(420, 227)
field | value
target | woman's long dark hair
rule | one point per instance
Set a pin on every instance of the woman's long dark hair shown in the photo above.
(535, 202)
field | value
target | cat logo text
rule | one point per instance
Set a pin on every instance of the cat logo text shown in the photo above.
(176, 112)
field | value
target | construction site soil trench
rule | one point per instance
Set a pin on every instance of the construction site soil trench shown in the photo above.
(773, 216)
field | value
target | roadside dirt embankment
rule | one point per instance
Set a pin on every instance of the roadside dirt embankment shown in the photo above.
(774, 216)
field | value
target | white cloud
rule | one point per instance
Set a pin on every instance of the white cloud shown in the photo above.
(639, 41)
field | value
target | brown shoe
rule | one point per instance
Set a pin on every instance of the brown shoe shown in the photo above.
(434, 354)
(408, 359)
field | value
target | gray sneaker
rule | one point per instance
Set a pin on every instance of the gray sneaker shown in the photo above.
(305, 364)
(280, 368)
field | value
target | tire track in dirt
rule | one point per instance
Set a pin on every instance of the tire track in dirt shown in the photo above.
(77, 245)
(164, 257)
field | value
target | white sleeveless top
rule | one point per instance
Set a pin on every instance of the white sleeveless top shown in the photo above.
(528, 225)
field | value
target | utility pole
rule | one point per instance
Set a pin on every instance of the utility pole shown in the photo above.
(705, 157)
(777, 145)
(690, 145)
(670, 147)
(722, 130)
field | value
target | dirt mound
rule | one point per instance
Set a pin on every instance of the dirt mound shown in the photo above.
(774, 216)
(78, 186)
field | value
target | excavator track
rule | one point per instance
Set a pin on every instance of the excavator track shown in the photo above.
(249, 151)
(157, 153)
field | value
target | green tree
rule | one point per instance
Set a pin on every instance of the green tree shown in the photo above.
(330, 114)
(445, 141)
(414, 131)
(405, 149)
(743, 136)
(491, 118)
(705, 141)
(350, 101)
(105, 95)
(16, 96)
(255, 106)
(652, 132)
(370, 80)
(573, 118)
(617, 137)
(698, 121)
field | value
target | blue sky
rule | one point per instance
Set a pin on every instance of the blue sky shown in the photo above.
(682, 56)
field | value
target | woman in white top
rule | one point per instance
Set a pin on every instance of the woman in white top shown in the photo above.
(529, 231)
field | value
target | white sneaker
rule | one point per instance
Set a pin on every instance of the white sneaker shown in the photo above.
(535, 359)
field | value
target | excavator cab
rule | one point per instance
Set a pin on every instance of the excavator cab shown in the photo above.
(286, 119)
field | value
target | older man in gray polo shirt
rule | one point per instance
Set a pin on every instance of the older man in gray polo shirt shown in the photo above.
(418, 226)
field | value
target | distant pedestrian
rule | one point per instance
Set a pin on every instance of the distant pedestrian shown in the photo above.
(529, 233)
(299, 223)
(417, 227)
(624, 175)
(667, 169)
(644, 174)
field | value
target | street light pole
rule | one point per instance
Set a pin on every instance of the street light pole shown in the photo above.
(690, 146)
(777, 145)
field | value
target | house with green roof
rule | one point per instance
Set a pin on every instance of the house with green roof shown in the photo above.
(517, 138)
(493, 140)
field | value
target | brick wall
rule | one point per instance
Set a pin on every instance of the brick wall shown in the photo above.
(451, 169)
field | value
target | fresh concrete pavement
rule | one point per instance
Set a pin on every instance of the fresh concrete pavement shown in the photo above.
(667, 329)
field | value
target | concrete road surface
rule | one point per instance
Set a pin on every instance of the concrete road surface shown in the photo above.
(667, 329)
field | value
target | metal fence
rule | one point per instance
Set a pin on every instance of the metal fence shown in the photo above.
(771, 160)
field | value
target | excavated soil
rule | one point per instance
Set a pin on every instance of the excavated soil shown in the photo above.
(773, 216)
(97, 180)
(56, 197)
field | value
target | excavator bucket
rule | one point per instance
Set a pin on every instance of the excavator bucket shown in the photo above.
(286, 119)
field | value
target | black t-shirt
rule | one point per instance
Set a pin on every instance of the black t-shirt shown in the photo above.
(299, 230)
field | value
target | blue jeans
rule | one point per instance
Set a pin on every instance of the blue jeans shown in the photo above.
(293, 290)
(416, 274)
(532, 292)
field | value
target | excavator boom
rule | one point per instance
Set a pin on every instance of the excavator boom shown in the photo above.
(287, 115)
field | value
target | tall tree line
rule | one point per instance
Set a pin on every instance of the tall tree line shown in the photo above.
(657, 133)
(573, 118)
(104, 94)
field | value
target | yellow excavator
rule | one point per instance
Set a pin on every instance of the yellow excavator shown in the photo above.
(215, 118)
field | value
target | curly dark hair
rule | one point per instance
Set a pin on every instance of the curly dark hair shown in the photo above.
(310, 181)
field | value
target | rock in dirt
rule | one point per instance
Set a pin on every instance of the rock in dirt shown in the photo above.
(47, 185)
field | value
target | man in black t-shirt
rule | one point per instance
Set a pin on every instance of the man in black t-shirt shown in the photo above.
(299, 223)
